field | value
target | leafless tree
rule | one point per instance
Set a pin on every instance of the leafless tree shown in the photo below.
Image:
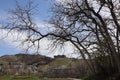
(91, 26)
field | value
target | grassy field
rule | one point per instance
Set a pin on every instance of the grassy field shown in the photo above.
(27, 78)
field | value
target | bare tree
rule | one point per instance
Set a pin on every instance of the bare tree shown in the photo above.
(91, 26)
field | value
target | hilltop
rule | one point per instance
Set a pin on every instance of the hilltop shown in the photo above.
(42, 66)
(28, 59)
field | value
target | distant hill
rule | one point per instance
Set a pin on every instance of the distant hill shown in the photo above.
(21, 64)
(28, 59)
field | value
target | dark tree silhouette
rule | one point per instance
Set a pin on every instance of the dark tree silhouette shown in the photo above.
(91, 26)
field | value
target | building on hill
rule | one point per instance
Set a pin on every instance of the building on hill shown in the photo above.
(60, 56)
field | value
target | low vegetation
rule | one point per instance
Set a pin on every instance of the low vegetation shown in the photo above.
(28, 78)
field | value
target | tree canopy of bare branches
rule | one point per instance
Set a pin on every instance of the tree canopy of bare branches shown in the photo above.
(91, 26)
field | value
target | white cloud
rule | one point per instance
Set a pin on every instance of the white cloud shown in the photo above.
(15, 38)
(63, 1)
(44, 27)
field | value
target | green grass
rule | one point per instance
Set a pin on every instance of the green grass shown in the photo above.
(60, 61)
(27, 78)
